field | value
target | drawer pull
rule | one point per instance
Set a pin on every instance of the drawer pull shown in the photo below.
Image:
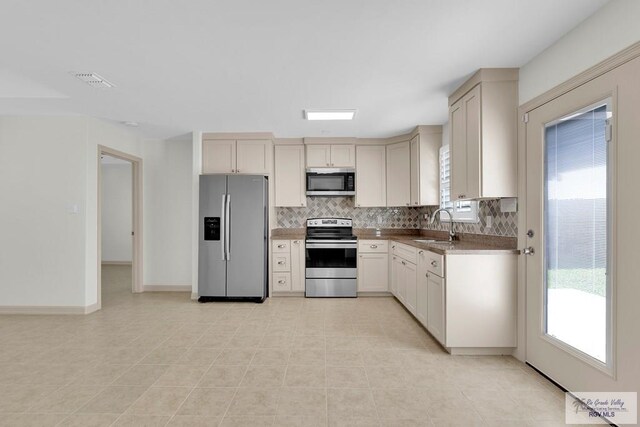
(282, 282)
(281, 246)
(421, 252)
(373, 246)
(280, 262)
(295, 242)
(404, 263)
(433, 263)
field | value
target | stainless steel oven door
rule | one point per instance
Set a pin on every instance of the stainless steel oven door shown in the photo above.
(331, 259)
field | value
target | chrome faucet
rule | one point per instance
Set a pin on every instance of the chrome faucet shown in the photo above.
(452, 233)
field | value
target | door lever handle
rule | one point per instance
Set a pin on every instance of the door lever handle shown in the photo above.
(528, 251)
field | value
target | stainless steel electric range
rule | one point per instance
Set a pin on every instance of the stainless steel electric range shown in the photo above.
(331, 258)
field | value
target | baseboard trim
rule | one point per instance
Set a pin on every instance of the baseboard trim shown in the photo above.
(166, 288)
(116, 262)
(277, 294)
(375, 294)
(47, 309)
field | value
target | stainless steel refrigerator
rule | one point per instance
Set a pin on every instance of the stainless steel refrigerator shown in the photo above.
(232, 255)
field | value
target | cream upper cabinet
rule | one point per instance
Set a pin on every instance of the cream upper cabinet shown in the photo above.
(318, 156)
(289, 176)
(343, 156)
(398, 174)
(425, 166)
(236, 156)
(219, 156)
(253, 156)
(483, 137)
(371, 176)
(331, 156)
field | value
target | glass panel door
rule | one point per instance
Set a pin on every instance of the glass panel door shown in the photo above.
(576, 231)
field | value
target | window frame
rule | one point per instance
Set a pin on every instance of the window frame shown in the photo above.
(464, 211)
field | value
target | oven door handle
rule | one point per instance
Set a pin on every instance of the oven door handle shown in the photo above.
(331, 245)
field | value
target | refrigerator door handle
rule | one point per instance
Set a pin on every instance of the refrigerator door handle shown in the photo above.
(223, 223)
(227, 237)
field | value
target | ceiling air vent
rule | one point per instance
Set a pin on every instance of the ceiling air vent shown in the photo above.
(94, 80)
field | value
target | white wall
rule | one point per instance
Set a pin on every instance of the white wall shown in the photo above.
(167, 212)
(42, 182)
(608, 31)
(117, 215)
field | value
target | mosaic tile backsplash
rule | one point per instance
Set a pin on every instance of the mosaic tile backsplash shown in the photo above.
(504, 224)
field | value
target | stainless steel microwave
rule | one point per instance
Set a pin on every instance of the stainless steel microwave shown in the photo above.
(331, 182)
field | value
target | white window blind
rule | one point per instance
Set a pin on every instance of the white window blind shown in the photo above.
(466, 211)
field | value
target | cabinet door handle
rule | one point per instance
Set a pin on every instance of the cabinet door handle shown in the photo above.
(373, 246)
(408, 204)
(415, 203)
(280, 262)
(328, 164)
(237, 170)
(393, 246)
(281, 246)
(421, 252)
(427, 275)
(295, 242)
(433, 263)
(404, 263)
(282, 282)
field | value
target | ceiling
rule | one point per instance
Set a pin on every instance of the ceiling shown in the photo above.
(254, 65)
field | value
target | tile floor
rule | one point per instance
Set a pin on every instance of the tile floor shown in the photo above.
(161, 359)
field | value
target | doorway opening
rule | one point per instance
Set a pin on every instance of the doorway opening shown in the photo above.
(119, 226)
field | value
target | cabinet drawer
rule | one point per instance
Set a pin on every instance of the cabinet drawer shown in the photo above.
(435, 263)
(405, 252)
(373, 246)
(281, 246)
(281, 262)
(281, 282)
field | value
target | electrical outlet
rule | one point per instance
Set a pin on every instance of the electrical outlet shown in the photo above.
(489, 221)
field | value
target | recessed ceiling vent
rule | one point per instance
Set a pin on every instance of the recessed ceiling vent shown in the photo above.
(94, 80)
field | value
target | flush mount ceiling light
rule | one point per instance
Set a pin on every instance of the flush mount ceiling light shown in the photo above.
(94, 80)
(329, 114)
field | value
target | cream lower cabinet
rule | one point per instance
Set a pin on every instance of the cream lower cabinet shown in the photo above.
(435, 306)
(287, 261)
(466, 301)
(404, 275)
(373, 266)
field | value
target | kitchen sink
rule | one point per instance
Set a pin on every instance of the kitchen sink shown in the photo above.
(430, 241)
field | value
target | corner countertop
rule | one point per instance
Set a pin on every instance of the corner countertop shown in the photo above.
(468, 243)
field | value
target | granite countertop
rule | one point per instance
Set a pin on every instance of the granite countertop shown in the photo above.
(468, 243)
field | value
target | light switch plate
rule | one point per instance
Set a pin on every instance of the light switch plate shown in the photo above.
(489, 220)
